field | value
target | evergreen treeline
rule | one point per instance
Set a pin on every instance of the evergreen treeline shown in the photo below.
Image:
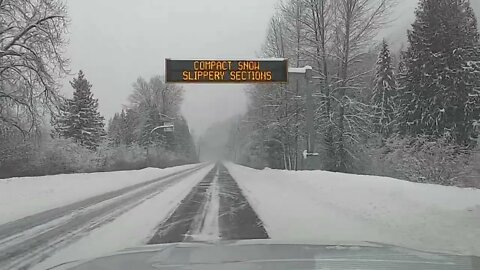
(412, 114)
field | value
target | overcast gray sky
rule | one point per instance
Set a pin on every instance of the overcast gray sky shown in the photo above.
(114, 42)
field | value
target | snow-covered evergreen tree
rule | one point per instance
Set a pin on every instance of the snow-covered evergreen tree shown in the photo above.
(130, 124)
(79, 118)
(440, 85)
(384, 92)
(183, 141)
(115, 130)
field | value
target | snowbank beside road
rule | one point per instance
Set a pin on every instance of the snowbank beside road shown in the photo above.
(24, 196)
(319, 205)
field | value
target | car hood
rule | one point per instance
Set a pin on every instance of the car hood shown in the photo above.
(269, 254)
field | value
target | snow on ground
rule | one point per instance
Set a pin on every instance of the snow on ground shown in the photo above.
(131, 229)
(325, 206)
(24, 196)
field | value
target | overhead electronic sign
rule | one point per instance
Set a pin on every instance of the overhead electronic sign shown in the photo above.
(226, 71)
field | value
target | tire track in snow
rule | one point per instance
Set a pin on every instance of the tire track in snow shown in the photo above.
(29, 222)
(32, 245)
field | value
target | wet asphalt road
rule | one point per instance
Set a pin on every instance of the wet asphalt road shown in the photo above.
(177, 226)
(236, 218)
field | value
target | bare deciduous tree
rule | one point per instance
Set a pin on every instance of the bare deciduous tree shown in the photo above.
(166, 98)
(319, 22)
(32, 39)
(333, 36)
(356, 24)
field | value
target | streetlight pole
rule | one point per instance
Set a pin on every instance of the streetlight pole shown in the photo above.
(169, 127)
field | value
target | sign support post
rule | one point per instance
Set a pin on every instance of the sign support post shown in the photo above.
(310, 156)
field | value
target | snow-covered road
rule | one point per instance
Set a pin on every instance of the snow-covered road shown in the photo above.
(134, 228)
(23, 196)
(29, 240)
